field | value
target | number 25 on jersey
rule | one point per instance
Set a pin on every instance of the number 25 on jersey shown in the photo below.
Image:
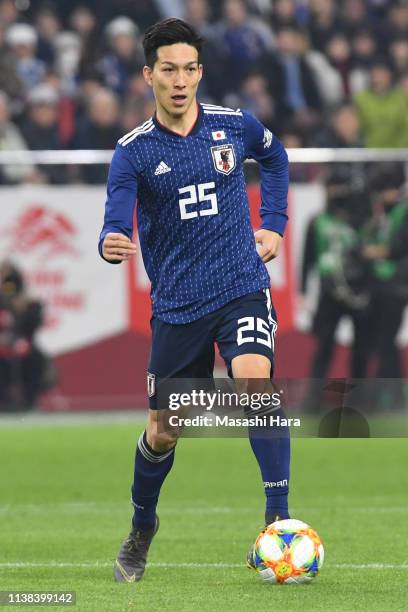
(197, 194)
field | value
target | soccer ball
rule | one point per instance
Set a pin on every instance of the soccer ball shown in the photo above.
(287, 552)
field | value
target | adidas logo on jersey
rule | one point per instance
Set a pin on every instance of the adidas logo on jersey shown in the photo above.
(162, 168)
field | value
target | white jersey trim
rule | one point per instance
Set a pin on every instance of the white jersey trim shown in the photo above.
(237, 113)
(136, 129)
(217, 107)
(143, 129)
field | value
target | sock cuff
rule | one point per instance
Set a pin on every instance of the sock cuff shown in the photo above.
(148, 453)
(264, 411)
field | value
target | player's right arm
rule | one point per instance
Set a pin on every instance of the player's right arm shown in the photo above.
(115, 241)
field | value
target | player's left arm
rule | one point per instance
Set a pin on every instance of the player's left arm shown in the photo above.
(268, 151)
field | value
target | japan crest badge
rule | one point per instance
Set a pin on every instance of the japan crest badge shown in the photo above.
(224, 158)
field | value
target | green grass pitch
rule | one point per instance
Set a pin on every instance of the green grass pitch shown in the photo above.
(64, 510)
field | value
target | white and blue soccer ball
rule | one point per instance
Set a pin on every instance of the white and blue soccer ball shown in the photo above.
(287, 552)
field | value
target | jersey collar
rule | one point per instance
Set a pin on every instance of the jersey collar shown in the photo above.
(193, 130)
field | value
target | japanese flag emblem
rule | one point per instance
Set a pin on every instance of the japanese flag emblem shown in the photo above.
(218, 135)
(224, 158)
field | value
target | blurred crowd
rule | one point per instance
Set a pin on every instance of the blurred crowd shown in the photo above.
(316, 72)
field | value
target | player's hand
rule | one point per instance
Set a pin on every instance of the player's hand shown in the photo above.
(117, 247)
(269, 243)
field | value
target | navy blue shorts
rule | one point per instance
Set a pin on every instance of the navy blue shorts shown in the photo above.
(245, 325)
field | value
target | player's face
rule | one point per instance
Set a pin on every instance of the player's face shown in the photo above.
(175, 78)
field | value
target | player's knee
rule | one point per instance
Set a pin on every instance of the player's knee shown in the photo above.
(251, 386)
(252, 374)
(161, 441)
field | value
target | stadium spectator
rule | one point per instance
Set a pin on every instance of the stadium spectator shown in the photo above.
(7, 353)
(301, 172)
(245, 39)
(328, 79)
(332, 247)
(41, 129)
(47, 25)
(343, 129)
(138, 103)
(124, 57)
(198, 13)
(256, 98)
(8, 12)
(99, 129)
(399, 55)
(25, 371)
(83, 23)
(142, 12)
(386, 248)
(383, 110)
(68, 54)
(284, 14)
(10, 82)
(339, 54)
(396, 23)
(11, 139)
(170, 8)
(293, 83)
(355, 17)
(324, 21)
(135, 113)
(364, 50)
(90, 82)
(22, 40)
(137, 89)
(403, 84)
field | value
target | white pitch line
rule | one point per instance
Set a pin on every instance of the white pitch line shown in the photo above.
(102, 564)
(63, 419)
(101, 507)
(374, 566)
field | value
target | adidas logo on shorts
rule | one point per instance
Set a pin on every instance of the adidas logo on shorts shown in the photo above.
(162, 168)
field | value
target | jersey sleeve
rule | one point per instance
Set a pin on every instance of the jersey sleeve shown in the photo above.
(121, 196)
(268, 151)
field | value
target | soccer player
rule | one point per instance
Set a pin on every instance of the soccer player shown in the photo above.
(184, 166)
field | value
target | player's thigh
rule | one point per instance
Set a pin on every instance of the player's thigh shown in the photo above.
(184, 352)
(251, 365)
(246, 336)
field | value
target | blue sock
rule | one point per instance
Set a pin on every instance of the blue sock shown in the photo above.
(271, 447)
(151, 469)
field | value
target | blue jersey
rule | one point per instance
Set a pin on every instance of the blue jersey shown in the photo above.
(192, 211)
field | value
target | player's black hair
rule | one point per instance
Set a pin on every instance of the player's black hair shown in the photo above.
(169, 32)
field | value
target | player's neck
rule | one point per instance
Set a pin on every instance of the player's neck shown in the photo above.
(182, 124)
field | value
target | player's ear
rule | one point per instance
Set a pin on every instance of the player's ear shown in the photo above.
(200, 72)
(147, 75)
